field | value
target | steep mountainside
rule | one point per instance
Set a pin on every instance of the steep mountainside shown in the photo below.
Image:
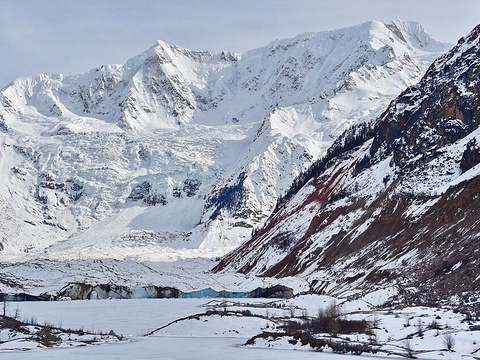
(393, 202)
(181, 153)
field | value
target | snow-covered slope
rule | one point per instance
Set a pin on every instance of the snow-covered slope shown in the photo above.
(181, 153)
(393, 202)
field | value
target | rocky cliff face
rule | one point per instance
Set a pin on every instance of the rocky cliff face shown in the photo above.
(440, 110)
(181, 153)
(392, 203)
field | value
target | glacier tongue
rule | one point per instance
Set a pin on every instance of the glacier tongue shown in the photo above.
(180, 153)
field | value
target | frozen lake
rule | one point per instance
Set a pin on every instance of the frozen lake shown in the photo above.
(134, 318)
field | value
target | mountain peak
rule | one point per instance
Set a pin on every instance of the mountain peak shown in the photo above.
(415, 34)
(402, 36)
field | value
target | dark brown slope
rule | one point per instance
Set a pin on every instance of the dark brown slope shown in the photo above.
(396, 204)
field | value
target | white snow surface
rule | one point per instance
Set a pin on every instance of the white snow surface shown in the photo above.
(213, 337)
(75, 147)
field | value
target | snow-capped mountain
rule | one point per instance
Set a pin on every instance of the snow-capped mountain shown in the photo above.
(181, 153)
(392, 202)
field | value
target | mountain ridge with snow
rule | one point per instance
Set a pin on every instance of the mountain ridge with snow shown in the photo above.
(180, 153)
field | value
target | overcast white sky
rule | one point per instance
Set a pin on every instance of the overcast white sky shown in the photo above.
(73, 36)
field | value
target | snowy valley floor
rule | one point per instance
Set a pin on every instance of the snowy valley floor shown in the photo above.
(224, 325)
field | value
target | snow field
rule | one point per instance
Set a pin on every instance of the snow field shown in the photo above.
(425, 328)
